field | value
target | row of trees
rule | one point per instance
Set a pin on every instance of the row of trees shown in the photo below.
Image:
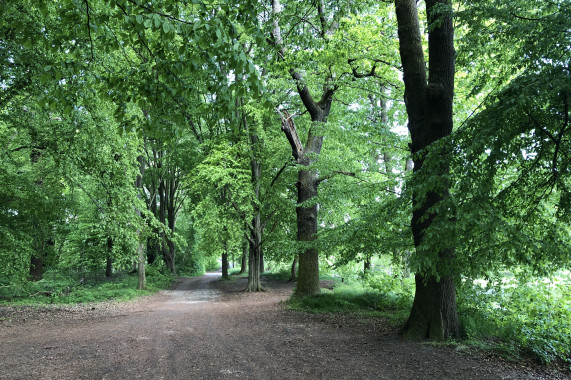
(140, 131)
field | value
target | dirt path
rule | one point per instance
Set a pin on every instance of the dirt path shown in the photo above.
(208, 329)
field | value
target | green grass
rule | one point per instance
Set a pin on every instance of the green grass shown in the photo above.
(236, 273)
(355, 298)
(57, 289)
(282, 275)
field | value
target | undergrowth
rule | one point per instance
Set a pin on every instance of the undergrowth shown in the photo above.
(374, 296)
(56, 288)
(281, 275)
(519, 319)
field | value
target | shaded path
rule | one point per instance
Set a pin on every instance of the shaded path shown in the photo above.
(208, 329)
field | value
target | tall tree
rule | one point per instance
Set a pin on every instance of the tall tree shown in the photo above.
(429, 108)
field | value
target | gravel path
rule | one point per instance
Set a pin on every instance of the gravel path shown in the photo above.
(209, 329)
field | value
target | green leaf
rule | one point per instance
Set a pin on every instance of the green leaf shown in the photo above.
(44, 78)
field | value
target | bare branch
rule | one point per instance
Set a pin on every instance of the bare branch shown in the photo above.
(288, 126)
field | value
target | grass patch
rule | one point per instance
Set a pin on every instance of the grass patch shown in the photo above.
(282, 275)
(355, 298)
(57, 289)
(236, 273)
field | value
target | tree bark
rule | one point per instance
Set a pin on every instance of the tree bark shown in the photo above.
(255, 253)
(244, 261)
(254, 281)
(36, 267)
(109, 260)
(141, 256)
(37, 258)
(429, 107)
(225, 262)
(305, 155)
(293, 276)
(367, 265)
(167, 251)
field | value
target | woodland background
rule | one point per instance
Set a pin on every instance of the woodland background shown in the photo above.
(160, 137)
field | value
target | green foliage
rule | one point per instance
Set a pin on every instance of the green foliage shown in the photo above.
(354, 298)
(383, 293)
(60, 288)
(525, 317)
(278, 273)
(87, 87)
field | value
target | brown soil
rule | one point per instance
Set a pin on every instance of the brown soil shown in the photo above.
(209, 329)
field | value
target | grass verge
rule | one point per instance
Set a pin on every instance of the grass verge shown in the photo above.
(56, 289)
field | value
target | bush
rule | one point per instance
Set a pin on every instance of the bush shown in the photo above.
(525, 318)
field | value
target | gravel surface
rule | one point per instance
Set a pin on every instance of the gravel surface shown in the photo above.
(210, 329)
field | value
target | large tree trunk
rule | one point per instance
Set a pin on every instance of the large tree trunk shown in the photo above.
(429, 108)
(308, 276)
(254, 281)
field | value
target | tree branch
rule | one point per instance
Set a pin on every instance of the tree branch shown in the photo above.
(349, 174)
(89, 30)
(171, 17)
(288, 126)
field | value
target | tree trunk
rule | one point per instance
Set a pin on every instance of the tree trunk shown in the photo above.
(37, 258)
(141, 256)
(109, 261)
(262, 265)
(244, 261)
(429, 108)
(367, 265)
(165, 248)
(254, 281)
(308, 277)
(433, 314)
(171, 215)
(36, 267)
(153, 248)
(255, 257)
(225, 262)
(293, 276)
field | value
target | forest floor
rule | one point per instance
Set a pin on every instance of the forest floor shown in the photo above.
(210, 329)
